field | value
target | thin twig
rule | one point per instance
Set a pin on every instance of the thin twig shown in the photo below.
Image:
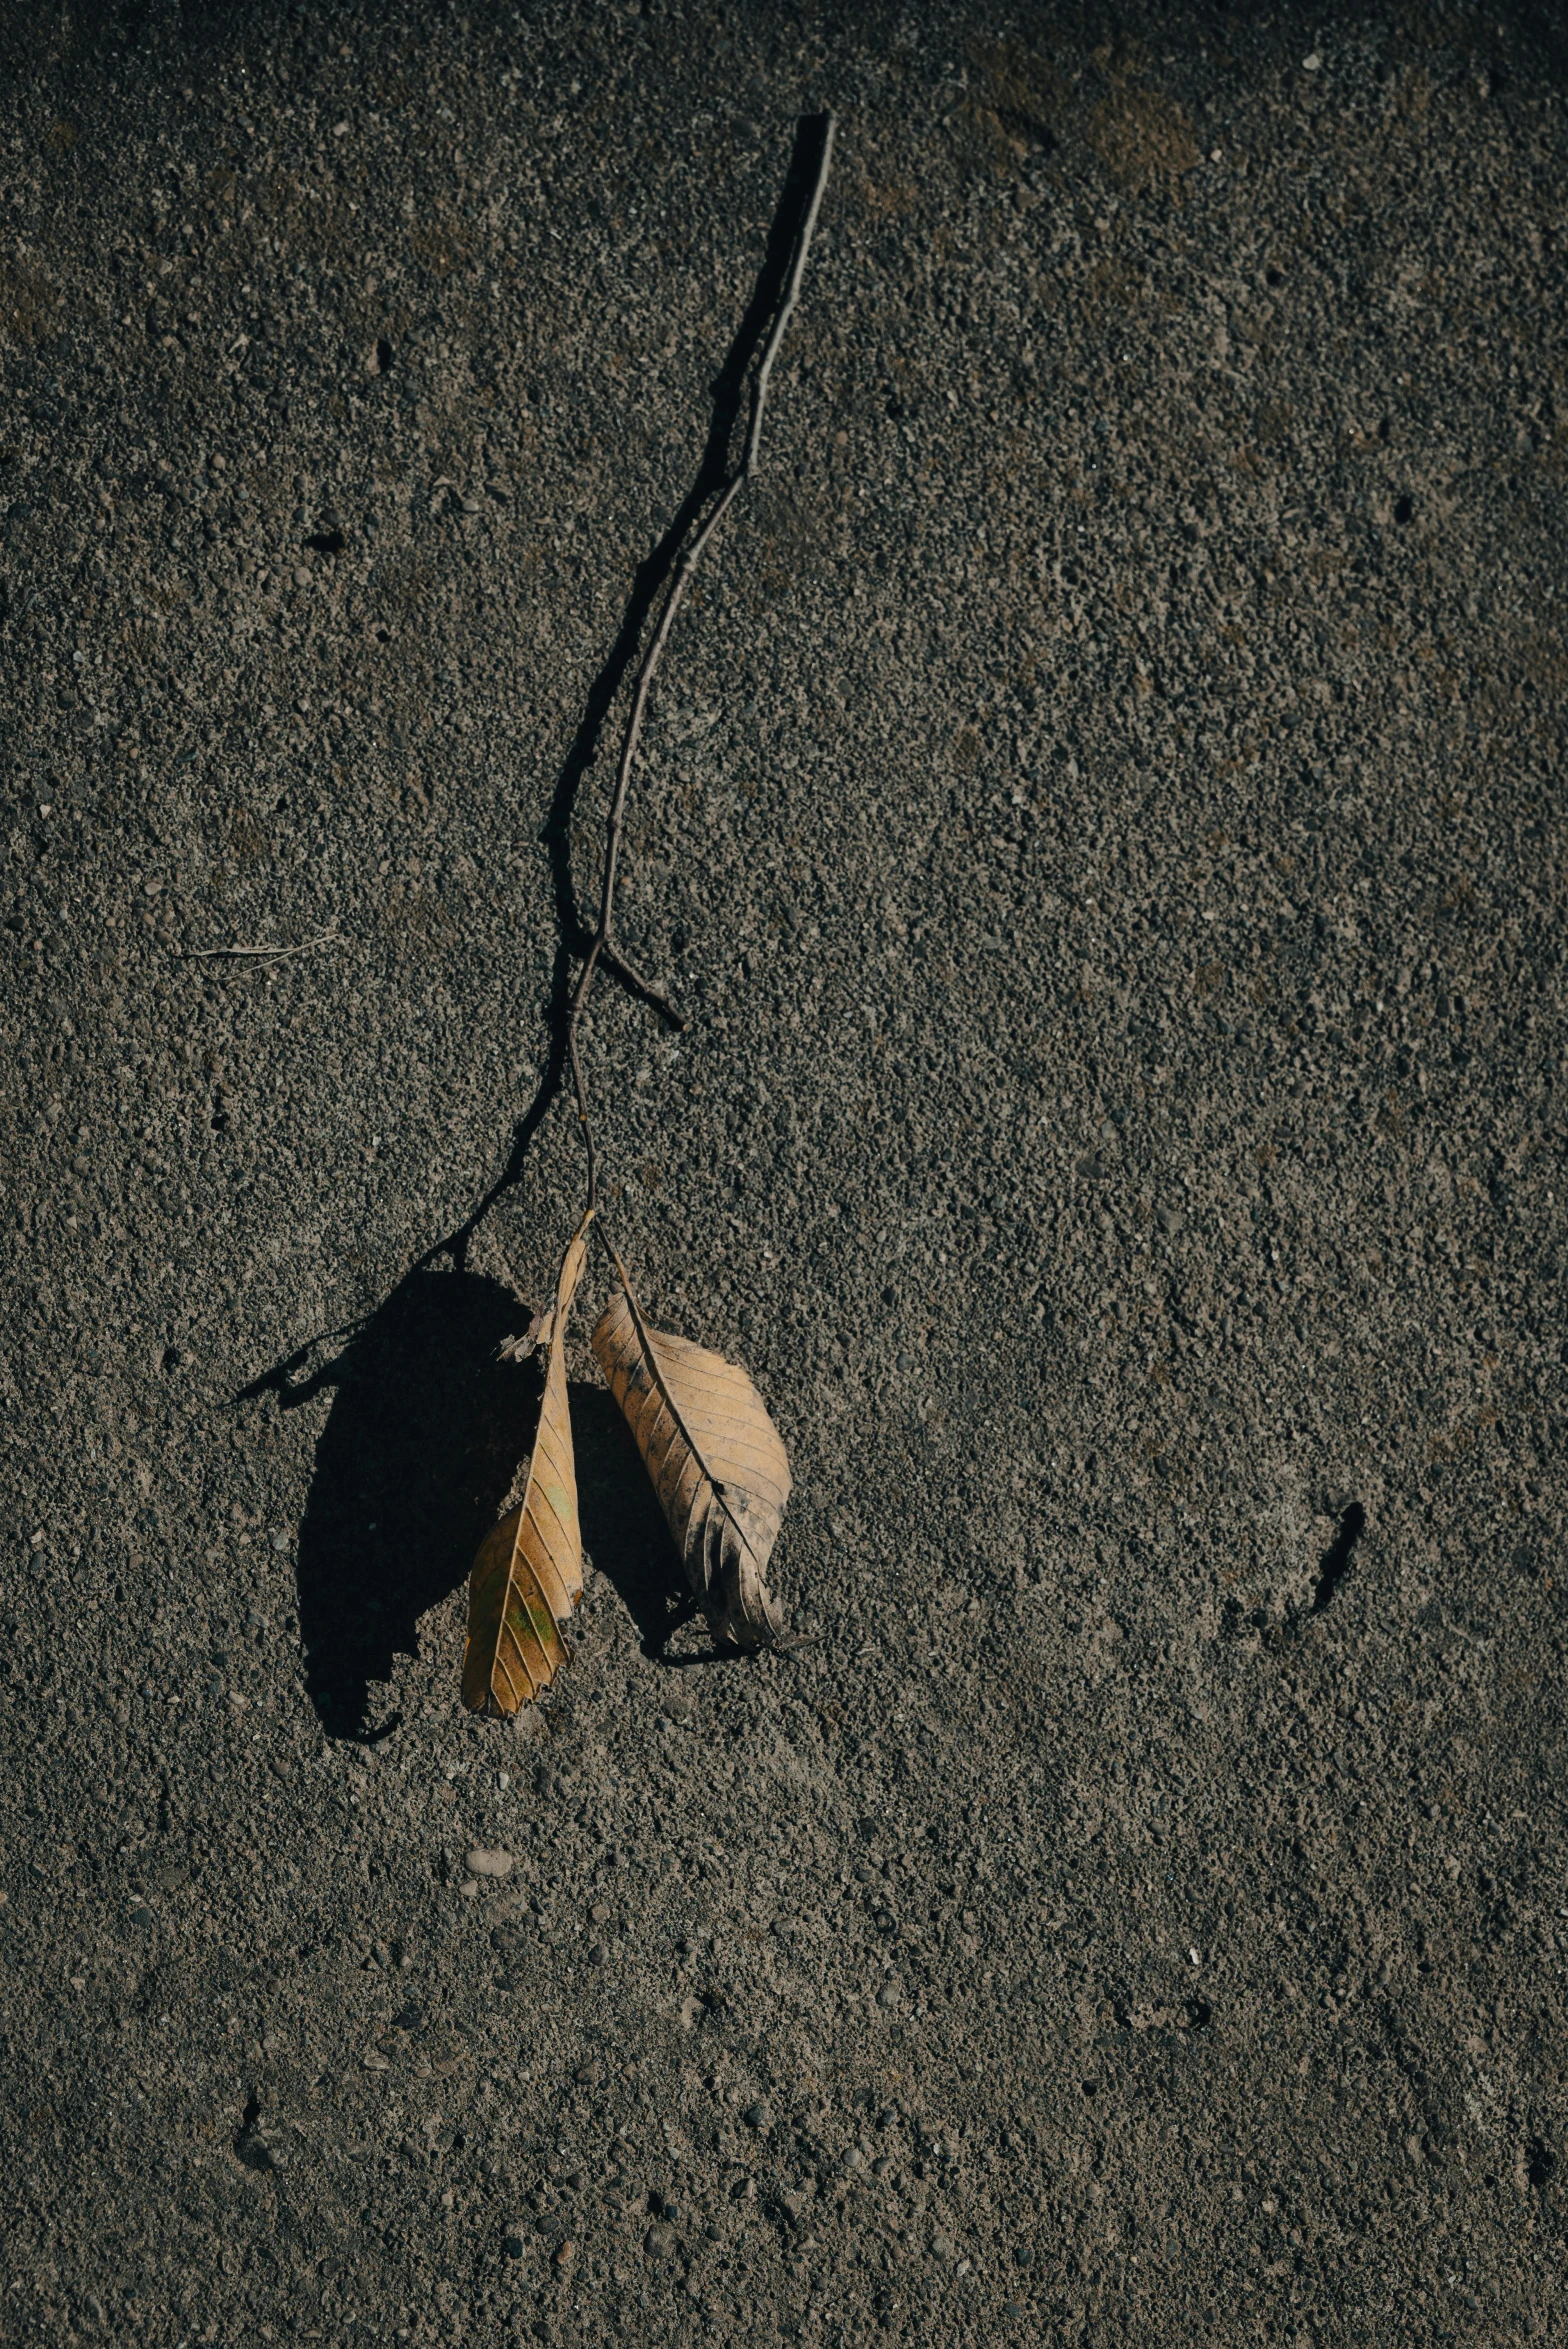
(759, 388)
(604, 947)
(307, 946)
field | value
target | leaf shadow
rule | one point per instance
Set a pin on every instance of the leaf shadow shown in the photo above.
(427, 1427)
(624, 1532)
(424, 1438)
(428, 1434)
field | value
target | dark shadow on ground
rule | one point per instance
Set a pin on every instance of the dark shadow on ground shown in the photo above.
(427, 1435)
(1334, 1564)
(624, 1532)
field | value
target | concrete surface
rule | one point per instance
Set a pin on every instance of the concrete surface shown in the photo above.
(1104, 817)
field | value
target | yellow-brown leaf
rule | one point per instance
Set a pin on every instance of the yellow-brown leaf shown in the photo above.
(716, 1459)
(528, 1575)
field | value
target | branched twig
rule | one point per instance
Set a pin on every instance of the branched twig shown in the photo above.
(604, 947)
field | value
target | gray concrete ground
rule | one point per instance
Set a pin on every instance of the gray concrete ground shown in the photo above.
(1104, 817)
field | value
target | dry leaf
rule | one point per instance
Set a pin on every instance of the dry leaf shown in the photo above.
(528, 1575)
(717, 1461)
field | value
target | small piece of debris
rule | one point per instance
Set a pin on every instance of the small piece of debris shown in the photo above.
(480, 1862)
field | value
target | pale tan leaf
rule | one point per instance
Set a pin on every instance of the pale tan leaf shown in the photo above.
(528, 1575)
(716, 1459)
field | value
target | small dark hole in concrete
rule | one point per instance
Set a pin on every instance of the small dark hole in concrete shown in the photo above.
(248, 2143)
(1334, 1564)
(327, 542)
(1540, 2164)
(1403, 509)
(383, 356)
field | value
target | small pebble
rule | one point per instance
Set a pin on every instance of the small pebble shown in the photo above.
(480, 1862)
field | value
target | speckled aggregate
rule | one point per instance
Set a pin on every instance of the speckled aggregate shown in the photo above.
(1103, 817)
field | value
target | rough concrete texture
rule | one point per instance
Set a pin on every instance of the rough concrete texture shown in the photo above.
(1103, 815)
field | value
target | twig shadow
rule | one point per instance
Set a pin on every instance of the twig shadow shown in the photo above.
(574, 933)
